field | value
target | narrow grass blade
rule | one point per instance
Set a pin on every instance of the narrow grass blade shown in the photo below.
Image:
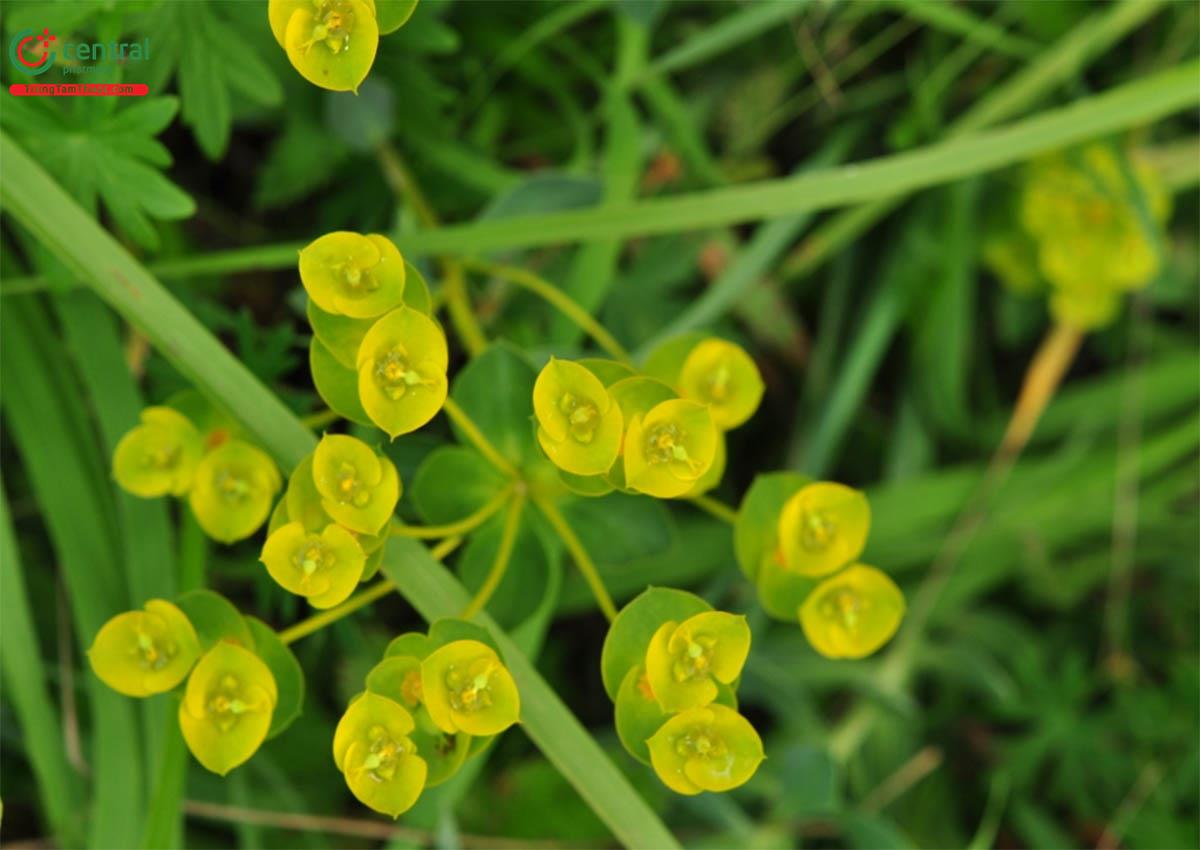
(24, 678)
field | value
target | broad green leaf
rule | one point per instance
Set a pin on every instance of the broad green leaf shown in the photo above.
(756, 532)
(215, 619)
(289, 678)
(525, 582)
(336, 384)
(496, 391)
(476, 483)
(636, 623)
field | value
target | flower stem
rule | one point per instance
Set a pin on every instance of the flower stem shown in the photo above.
(460, 418)
(458, 303)
(714, 508)
(319, 419)
(512, 521)
(462, 526)
(1042, 378)
(363, 598)
(556, 298)
(582, 560)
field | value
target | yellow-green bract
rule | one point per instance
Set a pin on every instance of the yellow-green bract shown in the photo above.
(158, 457)
(359, 488)
(373, 750)
(227, 706)
(140, 653)
(402, 365)
(332, 43)
(706, 749)
(685, 661)
(579, 425)
(234, 486)
(853, 613)
(467, 688)
(669, 450)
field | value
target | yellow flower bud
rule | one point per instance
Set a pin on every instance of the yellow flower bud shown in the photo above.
(579, 425)
(823, 527)
(402, 366)
(705, 749)
(348, 274)
(670, 449)
(373, 750)
(332, 43)
(159, 456)
(233, 491)
(324, 568)
(466, 688)
(146, 652)
(226, 709)
(723, 376)
(358, 487)
(685, 661)
(853, 613)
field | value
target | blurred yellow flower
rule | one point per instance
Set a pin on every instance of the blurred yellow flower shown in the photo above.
(139, 653)
(227, 706)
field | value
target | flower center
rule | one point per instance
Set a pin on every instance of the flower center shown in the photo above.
(154, 654)
(718, 384)
(350, 490)
(410, 687)
(843, 607)
(694, 660)
(702, 741)
(333, 24)
(384, 756)
(664, 444)
(225, 703)
(232, 486)
(469, 689)
(311, 556)
(162, 457)
(817, 530)
(394, 375)
(582, 417)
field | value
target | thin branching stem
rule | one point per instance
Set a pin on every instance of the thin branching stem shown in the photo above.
(459, 527)
(582, 559)
(477, 439)
(508, 537)
(715, 508)
(557, 299)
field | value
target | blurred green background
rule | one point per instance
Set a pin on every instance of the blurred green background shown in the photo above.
(1052, 698)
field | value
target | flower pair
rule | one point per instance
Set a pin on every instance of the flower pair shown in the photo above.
(228, 482)
(671, 665)
(426, 706)
(634, 433)
(1089, 226)
(800, 541)
(332, 43)
(332, 519)
(378, 357)
(228, 704)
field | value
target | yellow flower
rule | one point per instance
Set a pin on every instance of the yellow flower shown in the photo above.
(705, 749)
(146, 652)
(402, 366)
(373, 750)
(159, 456)
(722, 375)
(332, 43)
(670, 449)
(358, 487)
(348, 274)
(226, 709)
(579, 425)
(466, 688)
(324, 568)
(685, 660)
(823, 527)
(234, 487)
(853, 613)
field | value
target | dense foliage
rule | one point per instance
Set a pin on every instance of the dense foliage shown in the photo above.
(583, 291)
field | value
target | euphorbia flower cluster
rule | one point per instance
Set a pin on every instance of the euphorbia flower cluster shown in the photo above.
(332, 521)
(608, 427)
(1089, 229)
(431, 703)
(378, 356)
(227, 705)
(229, 483)
(799, 541)
(671, 665)
(332, 43)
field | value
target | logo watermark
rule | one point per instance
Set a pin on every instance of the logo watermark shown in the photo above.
(32, 53)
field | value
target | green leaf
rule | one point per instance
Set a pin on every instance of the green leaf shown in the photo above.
(214, 618)
(496, 391)
(756, 532)
(336, 384)
(619, 527)
(630, 633)
(476, 483)
(289, 678)
(526, 581)
(110, 156)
